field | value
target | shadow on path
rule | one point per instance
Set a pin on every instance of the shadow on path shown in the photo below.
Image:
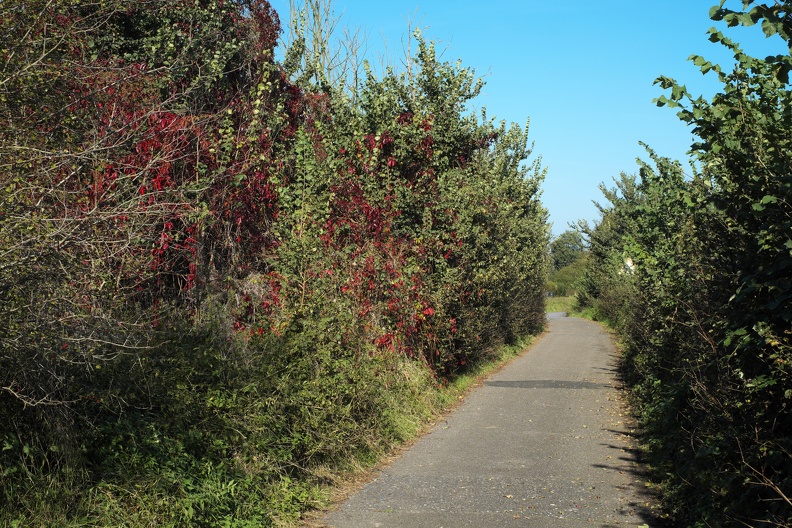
(545, 442)
(547, 384)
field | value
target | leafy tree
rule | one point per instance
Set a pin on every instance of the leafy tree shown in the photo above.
(125, 191)
(317, 56)
(566, 248)
(568, 254)
(421, 198)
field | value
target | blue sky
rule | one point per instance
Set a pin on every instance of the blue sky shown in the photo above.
(581, 71)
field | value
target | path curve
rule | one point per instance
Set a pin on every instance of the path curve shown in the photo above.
(543, 443)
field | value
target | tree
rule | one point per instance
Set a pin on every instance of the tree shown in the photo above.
(316, 56)
(566, 249)
(125, 189)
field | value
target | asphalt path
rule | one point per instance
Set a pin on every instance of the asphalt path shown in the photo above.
(544, 442)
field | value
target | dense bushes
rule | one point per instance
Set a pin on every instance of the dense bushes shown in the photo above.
(217, 286)
(705, 311)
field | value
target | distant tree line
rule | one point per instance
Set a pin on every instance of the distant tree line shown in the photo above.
(567, 262)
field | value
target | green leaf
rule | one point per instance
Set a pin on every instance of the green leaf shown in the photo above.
(760, 205)
(747, 20)
(732, 19)
(769, 28)
(761, 382)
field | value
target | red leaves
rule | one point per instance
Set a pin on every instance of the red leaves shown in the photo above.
(405, 118)
(428, 123)
(426, 146)
(267, 25)
(386, 341)
(353, 219)
(386, 140)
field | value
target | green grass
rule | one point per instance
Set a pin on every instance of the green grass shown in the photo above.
(560, 304)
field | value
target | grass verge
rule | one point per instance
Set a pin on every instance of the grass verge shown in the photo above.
(561, 304)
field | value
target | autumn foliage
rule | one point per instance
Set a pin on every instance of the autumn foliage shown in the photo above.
(215, 282)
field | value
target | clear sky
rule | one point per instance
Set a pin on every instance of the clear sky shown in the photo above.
(581, 71)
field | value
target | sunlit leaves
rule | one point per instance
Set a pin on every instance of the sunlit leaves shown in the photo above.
(706, 315)
(197, 254)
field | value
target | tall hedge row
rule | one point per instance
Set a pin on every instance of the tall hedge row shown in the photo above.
(218, 287)
(696, 273)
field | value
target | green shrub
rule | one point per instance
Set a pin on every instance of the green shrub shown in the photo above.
(705, 315)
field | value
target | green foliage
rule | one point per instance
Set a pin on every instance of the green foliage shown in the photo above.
(567, 248)
(568, 256)
(422, 216)
(608, 283)
(705, 312)
(219, 289)
(565, 281)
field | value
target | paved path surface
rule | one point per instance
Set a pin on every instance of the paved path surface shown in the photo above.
(541, 444)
